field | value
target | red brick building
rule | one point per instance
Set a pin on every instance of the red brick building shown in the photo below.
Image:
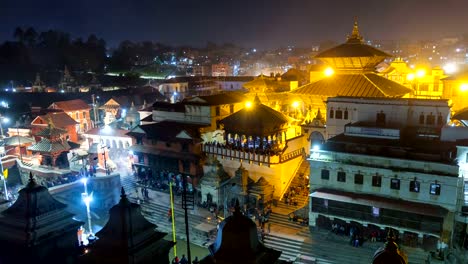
(60, 120)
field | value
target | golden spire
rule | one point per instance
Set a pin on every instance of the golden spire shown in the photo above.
(355, 36)
(50, 122)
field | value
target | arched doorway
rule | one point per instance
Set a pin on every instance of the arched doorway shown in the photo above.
(316, 138)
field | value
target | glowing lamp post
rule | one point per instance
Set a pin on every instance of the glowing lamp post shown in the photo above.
(87, 199)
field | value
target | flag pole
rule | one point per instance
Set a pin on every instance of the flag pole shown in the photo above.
(173, 219)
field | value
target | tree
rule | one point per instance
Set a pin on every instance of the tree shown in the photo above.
(30, 36)
(19, 34)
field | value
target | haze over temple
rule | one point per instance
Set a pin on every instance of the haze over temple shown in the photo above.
(150, 153)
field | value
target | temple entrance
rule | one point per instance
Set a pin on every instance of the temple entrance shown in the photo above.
(316, 138)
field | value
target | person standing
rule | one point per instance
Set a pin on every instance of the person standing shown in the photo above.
(183, 260)
(196, 261)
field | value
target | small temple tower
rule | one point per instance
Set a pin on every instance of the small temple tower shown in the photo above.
(237, 242)
(53, 146)
(132, 117)
(128, 238)
(389, 253)
(37, 228)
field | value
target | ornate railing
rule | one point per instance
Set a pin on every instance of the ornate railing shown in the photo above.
(251, 156)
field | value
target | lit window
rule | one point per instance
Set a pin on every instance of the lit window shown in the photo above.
(358, 178)
(341, 176)
(325, 175)
(376, 181)
(395, 184)
(375, 211)
(434, 189)
(414, 186)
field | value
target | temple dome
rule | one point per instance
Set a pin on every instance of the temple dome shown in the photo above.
(353, 55)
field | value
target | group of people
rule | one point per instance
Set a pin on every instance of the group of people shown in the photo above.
(260, 148)
(184, 260)
(160, 180)
(55, 181)
(290, 197)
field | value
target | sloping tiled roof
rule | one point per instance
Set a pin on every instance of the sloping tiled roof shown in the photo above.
(71, 105)
(51, 131)
(350, 49)
(216, 99)
(167, 130)
(258, 120)
(357, 85)
(45, 145)
(59, 119)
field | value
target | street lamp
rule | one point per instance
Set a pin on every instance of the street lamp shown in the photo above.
(87, 199)
(3, 120)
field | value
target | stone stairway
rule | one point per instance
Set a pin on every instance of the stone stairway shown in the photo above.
(299, 183)
(156, 211)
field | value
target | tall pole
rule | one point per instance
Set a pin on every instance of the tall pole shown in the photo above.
(4, 180)
(19, 143)
(1, 127)
(173, 219)
(186, 204)
(96, 117)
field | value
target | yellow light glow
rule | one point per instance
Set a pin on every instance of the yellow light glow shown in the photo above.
(410, 77)
(248, 104)
(420, 73)
(295, 104)
(464, 87)
(329, 72)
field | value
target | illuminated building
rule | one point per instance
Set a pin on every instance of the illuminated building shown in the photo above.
(221, 70)
(76, 109)
(456, 90)
(350, 72)
(264, 141)
(390, 164)
(425, 82)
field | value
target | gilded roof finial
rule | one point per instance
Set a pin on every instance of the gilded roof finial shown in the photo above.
(50, 122)
(355, 36)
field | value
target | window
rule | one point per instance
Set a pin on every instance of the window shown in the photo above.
(358, 178)
(77, 115)
(376, 181)
(440, 119)
(380, 118)
(218, 110)
(414, 186)
(332, 113)
(341, 176)
(345, 114)
(375, 211)
(339, 114)
(395, 184)
(434, 189)
(84, 115)
(421, 119)
(325, 203)
(430, 119)
(325, 175)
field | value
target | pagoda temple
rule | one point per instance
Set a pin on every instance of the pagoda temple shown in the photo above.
(352, 73)
(237, 242)
(265, 141)
(53, 147)
(128, 238)
(37, 228)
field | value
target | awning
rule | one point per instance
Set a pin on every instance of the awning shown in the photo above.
(380, 202)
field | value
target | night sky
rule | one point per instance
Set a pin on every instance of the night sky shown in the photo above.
(250, 23)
